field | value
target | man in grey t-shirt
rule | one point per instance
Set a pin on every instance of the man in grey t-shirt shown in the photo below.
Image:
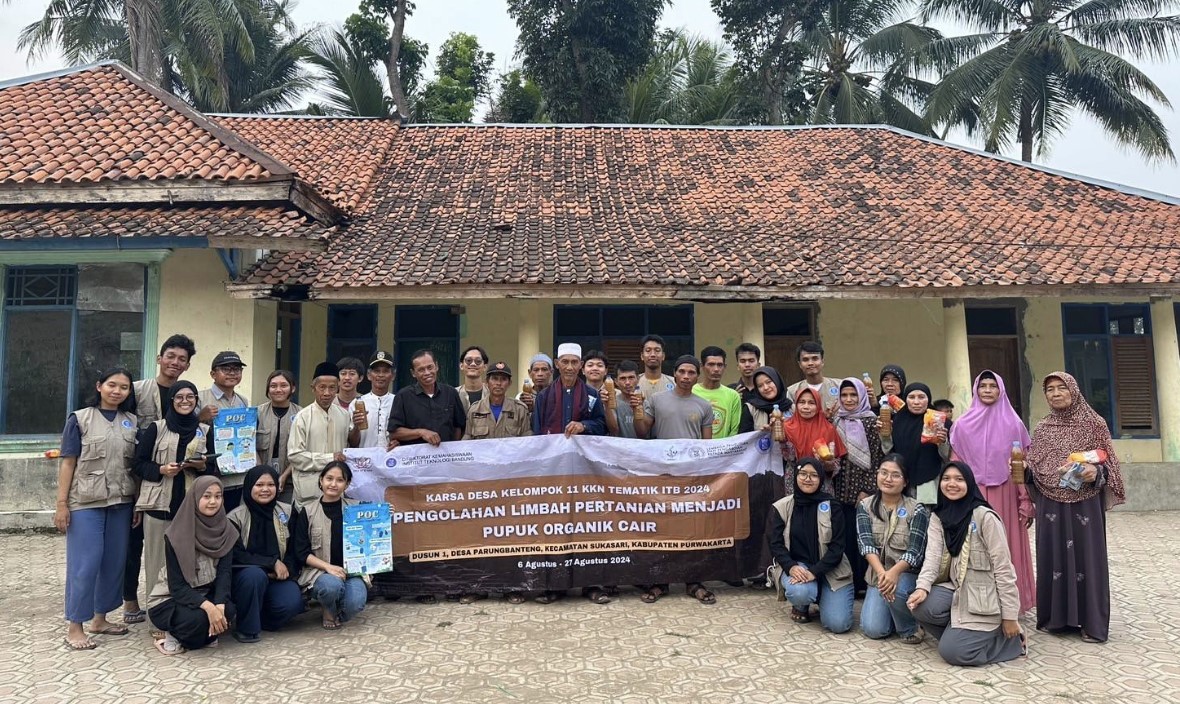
(679, 414)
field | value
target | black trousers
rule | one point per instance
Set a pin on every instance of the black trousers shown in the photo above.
(187, 624)
(134, 562)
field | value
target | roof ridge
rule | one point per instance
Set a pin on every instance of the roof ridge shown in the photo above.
(285, 116)
(57, 73)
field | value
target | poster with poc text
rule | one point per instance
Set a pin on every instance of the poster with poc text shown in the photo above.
(233, 439)
(368, 542)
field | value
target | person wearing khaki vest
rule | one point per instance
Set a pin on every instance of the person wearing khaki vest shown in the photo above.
(806, 536)
(317, 539)
(966, 594)
(95, 490)
(891, 535)
(495, 415)
(190, 602)
(275, 419)
(265, 590)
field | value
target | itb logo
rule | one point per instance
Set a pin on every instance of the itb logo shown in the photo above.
(391, 462)
(764, 443)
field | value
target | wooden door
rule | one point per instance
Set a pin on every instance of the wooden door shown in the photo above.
(780, 354)
(1001, 354)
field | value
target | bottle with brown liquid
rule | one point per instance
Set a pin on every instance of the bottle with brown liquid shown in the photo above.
(776, 424)
(886, 418)
(1016, 464)
(360, 406)
(608, 390)
(528, 385)
(868, 382)
(639, 414)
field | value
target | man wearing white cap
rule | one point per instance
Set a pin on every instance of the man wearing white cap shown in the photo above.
(570, 406)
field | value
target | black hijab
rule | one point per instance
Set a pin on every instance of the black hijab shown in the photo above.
(922, 460)
(804, 519)
(782, 400)
(262, 539)
(955, 516)
(890, 369)
(184, 426)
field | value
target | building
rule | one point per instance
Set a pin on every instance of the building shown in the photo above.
(126, 216)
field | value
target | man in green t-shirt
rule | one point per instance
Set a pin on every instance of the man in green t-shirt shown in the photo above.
(727, 403)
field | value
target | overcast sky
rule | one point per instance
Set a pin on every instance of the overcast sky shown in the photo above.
(1084, 149)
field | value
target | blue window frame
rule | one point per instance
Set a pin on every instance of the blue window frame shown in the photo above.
(617, 330)
(1108, 349)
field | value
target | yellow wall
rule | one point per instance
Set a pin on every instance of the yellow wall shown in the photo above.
(721, 324)
(193, 301)
(865, 335)
(313, 343)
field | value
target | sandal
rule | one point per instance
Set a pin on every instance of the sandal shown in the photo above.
(86, 644)
(514, 597)
(703, 595)
(598, 596)
(169, 645)
(653, 594)
(112, 629)
(472, 598)
(134, 616)
(800, 616)
(332, 625)
(914, 638)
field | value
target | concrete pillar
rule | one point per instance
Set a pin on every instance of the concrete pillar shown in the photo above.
(1167, 375)
(528, 335)
(958, 361)
(752, 328)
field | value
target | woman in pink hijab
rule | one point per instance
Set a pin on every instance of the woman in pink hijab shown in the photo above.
(983, 438)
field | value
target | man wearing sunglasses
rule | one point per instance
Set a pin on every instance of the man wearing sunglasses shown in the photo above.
(473, 365)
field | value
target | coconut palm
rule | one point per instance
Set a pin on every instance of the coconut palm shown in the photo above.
(1032, 62)
(688, 81)
(351, 83)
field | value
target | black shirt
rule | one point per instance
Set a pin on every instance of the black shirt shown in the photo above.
(181, 592)
(300, 544)
(442, 413)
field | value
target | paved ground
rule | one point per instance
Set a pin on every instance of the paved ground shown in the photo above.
(743, 649)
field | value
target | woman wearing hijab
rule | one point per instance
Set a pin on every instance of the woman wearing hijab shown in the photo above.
(169, 457)
(806, 535)
(809, 428)
(983, 438)
(856, 424)
(974, 614)
(924, 460)
(891, 534)
(769, 391)
(192, 605)
(1073, 578)
(317, 539)
(264, 588)
(891, 381)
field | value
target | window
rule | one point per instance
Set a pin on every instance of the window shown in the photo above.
(435, 328)
(352, 332)
(1108, 349)
(617, 330)
(93, 311)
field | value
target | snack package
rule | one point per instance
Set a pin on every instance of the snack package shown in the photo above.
(1090, 456)
(822, 451)
(932, 423)
(895, 402)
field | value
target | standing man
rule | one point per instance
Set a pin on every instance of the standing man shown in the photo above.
(378, 402)
(654, 380)
(541, 374)
(496, 415)
(352, 370)
(810, 357)
(594, 369)
(425, 411)
(726, 403)
(749, 358)
(627, 383)
(319, 434)
(222, 396)
(679, 414)
(472, 365)
(570, 406)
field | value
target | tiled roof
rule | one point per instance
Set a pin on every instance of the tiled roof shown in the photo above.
(706, 207)
(103, 123)
(265, 227)
(337, 156)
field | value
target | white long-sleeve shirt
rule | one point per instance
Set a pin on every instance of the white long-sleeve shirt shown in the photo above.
(316, 436)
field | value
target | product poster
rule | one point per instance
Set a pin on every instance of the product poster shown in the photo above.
(233, 439)
(368, 544)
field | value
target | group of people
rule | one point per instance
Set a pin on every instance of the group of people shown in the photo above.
(928, 526)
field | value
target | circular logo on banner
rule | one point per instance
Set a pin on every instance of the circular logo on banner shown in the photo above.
(696, 453)
(902, 513)
(126, 423)
(825, 507)
(391, 462)
(764, 443)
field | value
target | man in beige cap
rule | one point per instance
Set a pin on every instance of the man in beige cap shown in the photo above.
(496, 415)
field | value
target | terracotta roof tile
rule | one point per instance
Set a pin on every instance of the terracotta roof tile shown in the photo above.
(104, 123)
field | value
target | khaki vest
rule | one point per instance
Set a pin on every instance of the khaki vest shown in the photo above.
(271, 430)
(515, 421)
(841, 575)
(147, 402)
(102, 475)
(156, 496)
(977, 600)
(206, 573)
(319, 532)
(891, 535)
(241, 517)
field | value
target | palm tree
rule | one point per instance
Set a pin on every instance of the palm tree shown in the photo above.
(688, 81)
(862, 65)
(352, 84)
(1032, 62)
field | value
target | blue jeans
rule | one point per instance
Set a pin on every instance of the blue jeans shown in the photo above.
(96, 553)
(880, 618)
(835, 607)
(345, 598)
(263, 603)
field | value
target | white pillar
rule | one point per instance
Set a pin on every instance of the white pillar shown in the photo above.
(1167, 375)
(958, 360)
(528, 337)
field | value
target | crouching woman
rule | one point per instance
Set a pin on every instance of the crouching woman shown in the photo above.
(317, 539)
(190, 602)
(966, 593)
(265, 592)
(806, 536)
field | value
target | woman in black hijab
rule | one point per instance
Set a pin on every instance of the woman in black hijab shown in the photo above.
(924, 460)
(973, 607)
(265, 590)
(806, 536)
(769, 391)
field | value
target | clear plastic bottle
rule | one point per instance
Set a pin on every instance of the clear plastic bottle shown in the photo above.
(776, 424)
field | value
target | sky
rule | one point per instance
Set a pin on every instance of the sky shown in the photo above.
(1084, 149)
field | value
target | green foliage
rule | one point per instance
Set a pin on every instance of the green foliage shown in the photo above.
(463, 75)
(582, 53)
(352, 83)
(688, 81)
(1033, 64)
(519, 100)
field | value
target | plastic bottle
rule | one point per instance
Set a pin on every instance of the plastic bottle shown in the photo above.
(360, 406)
(1016, 464)
(776, 424)
(868, 382)
(528, 385)
(886, 419)
(639, 414)
(608, 388)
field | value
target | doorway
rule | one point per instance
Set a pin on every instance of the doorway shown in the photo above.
(993, 342)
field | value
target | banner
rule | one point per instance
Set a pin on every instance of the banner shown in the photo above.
(367, 549)
(550, 512)
(233, 439)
